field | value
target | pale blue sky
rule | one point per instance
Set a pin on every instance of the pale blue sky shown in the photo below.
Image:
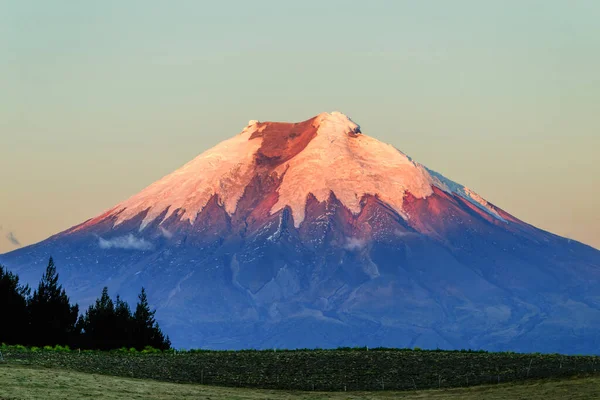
(101, 98)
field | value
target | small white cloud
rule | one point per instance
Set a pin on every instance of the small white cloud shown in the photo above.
(400, 233)
(165, 232)
(354, 244)
(127, 242)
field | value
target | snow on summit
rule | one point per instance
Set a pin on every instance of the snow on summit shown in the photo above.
(323, 155)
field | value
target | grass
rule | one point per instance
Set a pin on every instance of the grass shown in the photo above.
(19, 382)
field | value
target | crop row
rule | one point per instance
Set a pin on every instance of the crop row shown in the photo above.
(324, 370)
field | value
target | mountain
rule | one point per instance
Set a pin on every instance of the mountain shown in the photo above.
(313, 234)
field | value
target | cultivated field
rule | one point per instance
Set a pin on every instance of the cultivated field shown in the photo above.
(316, 370)
(26, 382)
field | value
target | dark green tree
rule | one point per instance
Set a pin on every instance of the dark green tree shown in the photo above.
(110, 325)
(99, 324)
(123, 324)
(53, 319)
(14, 327)
(146, 330)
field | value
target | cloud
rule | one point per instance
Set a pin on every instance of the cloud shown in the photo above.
(127, 242)
(400, 233)
(354, 244)
(13, 239)
(165, 232)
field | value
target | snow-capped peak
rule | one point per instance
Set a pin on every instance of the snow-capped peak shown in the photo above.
(339, 119)
(326, 154)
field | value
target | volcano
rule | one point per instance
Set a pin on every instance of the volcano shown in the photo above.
(313, 234)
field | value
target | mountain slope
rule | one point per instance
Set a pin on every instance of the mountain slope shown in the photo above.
(314, 234)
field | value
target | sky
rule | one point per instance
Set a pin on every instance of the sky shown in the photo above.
(98, 99)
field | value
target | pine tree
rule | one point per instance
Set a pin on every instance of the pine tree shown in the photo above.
(110, 325)
(146, 329)
(99, 324)
(53, 319)
(14, 327)
(123, 324)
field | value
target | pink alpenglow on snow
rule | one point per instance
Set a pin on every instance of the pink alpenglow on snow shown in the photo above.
(324, 155)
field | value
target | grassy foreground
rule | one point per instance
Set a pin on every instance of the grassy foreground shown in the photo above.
(25, 382)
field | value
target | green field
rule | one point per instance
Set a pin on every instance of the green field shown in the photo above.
(317, 370)
(27, 382)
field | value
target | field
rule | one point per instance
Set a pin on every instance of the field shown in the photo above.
(316, 370)
(26, 382)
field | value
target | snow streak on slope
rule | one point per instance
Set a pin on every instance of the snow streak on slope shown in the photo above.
(452, 187)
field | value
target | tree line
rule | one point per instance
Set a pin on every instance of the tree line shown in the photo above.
(47, 317)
